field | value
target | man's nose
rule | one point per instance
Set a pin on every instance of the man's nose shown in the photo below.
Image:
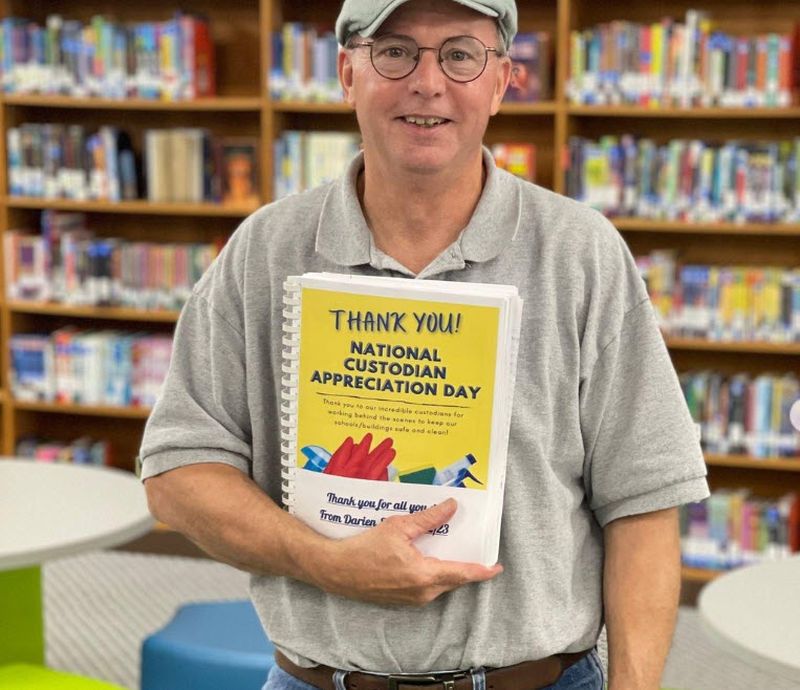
(428, 79)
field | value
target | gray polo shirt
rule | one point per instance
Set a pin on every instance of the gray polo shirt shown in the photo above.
(600, 429)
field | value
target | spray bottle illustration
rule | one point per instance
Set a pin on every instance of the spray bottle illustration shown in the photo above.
(457, 473)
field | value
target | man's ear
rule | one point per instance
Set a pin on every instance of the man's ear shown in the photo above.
(501, 83)
(344, 68)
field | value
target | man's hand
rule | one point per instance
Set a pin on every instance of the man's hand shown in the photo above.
(382, 565)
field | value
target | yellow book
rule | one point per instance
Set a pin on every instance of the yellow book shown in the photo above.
(397, 396)
(772, 304)
(656, 63)
(726, 304)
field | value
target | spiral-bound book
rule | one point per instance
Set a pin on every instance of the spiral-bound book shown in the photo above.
(397, 395)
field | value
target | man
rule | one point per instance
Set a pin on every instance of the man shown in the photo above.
(602, 447)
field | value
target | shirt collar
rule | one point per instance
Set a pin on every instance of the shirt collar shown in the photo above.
(344, 238)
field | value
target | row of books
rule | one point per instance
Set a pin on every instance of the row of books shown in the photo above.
(681, 64)
(170, 60)
(81, 451)
(723, 303)
(71, 366)
(732, 528)
(743, 414)
(191, 165)
(66, 263)
(55, 161)
(304, 65)
(686, 180)
(304, 160)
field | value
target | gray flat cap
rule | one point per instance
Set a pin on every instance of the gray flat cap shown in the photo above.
(364, 17)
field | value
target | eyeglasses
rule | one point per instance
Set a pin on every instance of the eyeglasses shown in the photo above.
(462, 58)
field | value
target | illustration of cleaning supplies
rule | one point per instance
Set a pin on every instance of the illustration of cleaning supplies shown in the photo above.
(456, 473)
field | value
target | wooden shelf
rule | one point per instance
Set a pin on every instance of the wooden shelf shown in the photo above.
(309, 107)
(115, 313)
(138, 207)
(219, 103)
(542, 108)
(686, 113)
(753, 347)
(85, 410)
(673, 226)
(753, 463)
(700, 574)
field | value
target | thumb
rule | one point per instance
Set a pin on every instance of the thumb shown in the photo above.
(426, 520)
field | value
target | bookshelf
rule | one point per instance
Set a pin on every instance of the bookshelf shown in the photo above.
(241, 31)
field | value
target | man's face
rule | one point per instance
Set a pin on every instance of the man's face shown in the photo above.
(383, 106)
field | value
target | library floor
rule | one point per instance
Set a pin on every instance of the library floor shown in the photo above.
(100, 606)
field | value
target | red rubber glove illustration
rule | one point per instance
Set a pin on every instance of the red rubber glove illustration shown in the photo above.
(357, 461)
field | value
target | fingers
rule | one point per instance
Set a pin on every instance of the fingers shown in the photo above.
(431, 518)
(456, 573)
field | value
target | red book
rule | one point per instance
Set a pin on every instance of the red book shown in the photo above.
(199, 57)
(793, 525)
(742, 50)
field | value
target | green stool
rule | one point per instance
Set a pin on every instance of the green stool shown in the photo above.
(22, 628)
(25, 677)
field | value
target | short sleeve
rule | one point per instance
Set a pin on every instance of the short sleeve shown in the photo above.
(642, 450)
(202, 413)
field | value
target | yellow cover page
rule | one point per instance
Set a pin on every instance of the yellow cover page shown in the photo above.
(394, 413)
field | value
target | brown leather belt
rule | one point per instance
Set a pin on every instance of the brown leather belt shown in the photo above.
(528, 675)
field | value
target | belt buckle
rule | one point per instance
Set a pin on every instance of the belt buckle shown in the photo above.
(425, 679)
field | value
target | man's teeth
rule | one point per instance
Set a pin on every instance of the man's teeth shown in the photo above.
(424, 121)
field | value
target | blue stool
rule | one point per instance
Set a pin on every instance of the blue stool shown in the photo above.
(207, 647)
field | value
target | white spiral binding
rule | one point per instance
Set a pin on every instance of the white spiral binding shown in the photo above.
(290, 351)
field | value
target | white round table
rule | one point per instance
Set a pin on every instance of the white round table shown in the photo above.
(51, 510)
(754, 614)
(48, 511)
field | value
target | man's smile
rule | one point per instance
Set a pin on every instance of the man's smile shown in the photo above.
(425, 121)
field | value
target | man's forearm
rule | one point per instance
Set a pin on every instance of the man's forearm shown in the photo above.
(225, 513)
(641, 589)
